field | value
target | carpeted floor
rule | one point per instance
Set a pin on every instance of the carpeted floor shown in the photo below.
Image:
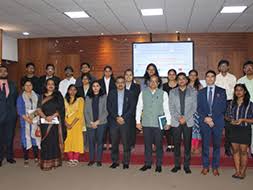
(16, 177)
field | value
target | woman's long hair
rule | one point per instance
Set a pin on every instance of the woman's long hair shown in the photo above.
(197, 84)
(67, 96)
(90, 92)
(147, 77)
(246, 98)
(45, 86)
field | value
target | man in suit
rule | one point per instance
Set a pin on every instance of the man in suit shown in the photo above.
(211, 109)
(152, 103)
(135, 90)
(120, 105)
(8, 96)
(85, 69)
(50, 73)
(183, 104)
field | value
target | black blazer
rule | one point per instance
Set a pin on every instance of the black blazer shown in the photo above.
(42, 82)
(112, 85)
(8, 105)
(112, 106)
(135, 89)
(80, 92)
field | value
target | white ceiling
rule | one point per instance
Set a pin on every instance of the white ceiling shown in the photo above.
(45, 18)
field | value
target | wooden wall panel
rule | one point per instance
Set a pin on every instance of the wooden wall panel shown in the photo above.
(1, 44)
(117, 51)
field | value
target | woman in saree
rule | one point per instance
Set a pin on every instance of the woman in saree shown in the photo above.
(53, 132)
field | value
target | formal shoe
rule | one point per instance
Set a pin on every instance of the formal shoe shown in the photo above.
(99, 164)
(228, 153)
(144, 168)
(252, 155)
(204, 171)
(91, 163)
(236, 176)
(175, 169)
(216, 172)
(158, 169)
(187, 170)
(125, 166)
(11, 161)
(1, 163)
(114, 165)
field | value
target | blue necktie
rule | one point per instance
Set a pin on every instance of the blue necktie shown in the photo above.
(210, 99)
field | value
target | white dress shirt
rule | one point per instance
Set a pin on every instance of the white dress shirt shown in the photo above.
(227, 82)
(64, 84)
(107, 84)
(166, 109)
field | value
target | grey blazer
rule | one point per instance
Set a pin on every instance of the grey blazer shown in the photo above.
(102, 115)
(190, 106)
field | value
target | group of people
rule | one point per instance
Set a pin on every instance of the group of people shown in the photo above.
(71, 115)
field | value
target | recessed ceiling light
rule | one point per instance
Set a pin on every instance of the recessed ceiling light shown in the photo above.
(233, 9)
(77, 14)
(102, 33)
(151, 12)
(26, 33)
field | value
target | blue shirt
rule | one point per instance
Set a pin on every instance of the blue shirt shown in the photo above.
(120, 101)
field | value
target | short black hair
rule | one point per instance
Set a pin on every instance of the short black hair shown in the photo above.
(211, 71)
(50, 65)
(25, 81)
(223, 61)
(249, 62)
(172, 70)
(107, 67)
(181, 74)
(85, 63)
(29, 64)
(119, 77)
(86, 75)
(128, 70)
(69, 67)
(3, 66)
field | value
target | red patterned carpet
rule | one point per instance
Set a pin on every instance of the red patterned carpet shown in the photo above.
(137, 155)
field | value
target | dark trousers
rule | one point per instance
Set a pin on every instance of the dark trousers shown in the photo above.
(95, 138)
(132, 132)
(187, 137)
(107, 135)
(153, 135)
(26, 152)
(169, 136)
(120, 132)
(207, 133)
(7, 132)
(227, 143)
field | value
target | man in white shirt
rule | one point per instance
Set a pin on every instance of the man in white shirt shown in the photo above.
(152, 103)
(227, 81)
(64, 84)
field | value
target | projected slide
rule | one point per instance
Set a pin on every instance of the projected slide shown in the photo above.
(165, 55)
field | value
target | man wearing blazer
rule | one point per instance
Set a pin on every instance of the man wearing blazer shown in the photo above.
(8, 96)
(120, 105)
(211, 109)
(135, 90)
(50, 71)
(183, 105)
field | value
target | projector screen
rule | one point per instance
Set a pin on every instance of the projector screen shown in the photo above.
(165, 55)
(10, 48)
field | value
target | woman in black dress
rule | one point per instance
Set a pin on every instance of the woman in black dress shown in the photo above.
(167, 87)
(51, 105)
(240, 115)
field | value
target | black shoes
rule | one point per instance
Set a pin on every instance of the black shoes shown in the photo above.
(158, 169)
(91, 163)
(1, 163)
(144, 168)
(99, 164)
(114, 165)
(11, 161)
(187, 170)
(175, 169)
(125, 166)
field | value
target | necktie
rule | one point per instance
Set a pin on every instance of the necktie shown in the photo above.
(4, 88)
(210, 99)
